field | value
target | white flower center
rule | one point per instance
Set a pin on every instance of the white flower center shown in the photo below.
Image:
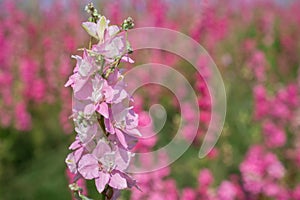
(108, 161)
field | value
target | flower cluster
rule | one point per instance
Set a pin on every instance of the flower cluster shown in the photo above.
(105, 123)
(260, 171)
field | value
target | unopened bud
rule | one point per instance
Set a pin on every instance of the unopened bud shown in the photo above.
(128, 24)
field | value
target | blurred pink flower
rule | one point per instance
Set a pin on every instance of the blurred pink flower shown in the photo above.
(274, 135)
(22, 117)
(227, 191)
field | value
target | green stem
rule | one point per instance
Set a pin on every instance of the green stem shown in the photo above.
(103, 195)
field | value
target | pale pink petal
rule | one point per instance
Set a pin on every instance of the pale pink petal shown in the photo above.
(108, 126)
(101, 148)
(103, 109)
(133, 132)
(132, 120)
(88, 167)
(117, 181)
(119, 112)
(119, 94)
(131, 141)
(121, 138)
(89, 109)
(78, 153)
(108, 91)
(101, 181)
(75, 145)
(86, 134)
(112, 30)
(79, 105)
(83, 89)
(69, 82)
(127, 59)
(91, 28)
(130, 181)
(71, 163)
(112, 48)
(122, 159)
(114, 77)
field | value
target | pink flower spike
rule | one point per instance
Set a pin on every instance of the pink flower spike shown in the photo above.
(99, 90)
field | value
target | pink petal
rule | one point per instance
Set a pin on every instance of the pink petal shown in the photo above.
(109, 93)
(78, 153)
(89, 109)
(114, 77)
(117, 181)
(88, 167)
(131, 141)
(113, 47)
(71, 163)
(69, 82)
(103, 109)
(91, 28)
(119, 112)
(122, 159)
(86, 134)
(75, 145)
(127, 59)
(108, 126)
(132, 119)
(121, 138)
(133, 132)
(112, 30)
(101, 148)
(83, 89)
(119, 94)
(101, 181)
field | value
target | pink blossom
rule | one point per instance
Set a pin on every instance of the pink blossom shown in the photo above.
(106, 166)
(274, 135)
(258, 168)
(188, 194)
(257, 63)
(227, 191)
(205, 178)
(261, 102)
(22, 117)
(296, 192)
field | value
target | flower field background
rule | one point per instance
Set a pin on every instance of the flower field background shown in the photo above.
(256, 46)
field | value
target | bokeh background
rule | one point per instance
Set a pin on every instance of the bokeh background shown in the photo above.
(256, 46)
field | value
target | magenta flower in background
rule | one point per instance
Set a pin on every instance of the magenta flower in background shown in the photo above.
(274, 136)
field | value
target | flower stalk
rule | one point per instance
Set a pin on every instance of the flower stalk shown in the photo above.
(106, 126)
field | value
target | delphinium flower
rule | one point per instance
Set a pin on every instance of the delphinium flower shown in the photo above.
(105, 123)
